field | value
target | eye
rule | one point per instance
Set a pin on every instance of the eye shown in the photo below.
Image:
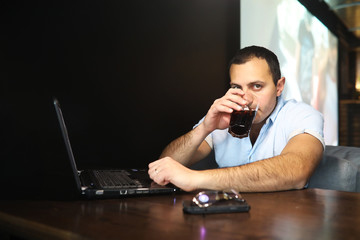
(257, 86)
(235, 86)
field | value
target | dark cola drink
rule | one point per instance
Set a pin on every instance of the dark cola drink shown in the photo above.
(240, 123)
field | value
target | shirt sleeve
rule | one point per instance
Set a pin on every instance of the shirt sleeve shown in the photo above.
(306, 119)
(308, 131)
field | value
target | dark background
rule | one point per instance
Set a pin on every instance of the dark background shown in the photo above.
(130, 75)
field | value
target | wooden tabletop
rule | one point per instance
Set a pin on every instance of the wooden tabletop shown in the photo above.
(301, 214)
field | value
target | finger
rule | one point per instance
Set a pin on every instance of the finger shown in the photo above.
(161, 180)
(239, 100)
(229, 101)
(226, 106)
(152, 172)
(154, 163)
(236, 91)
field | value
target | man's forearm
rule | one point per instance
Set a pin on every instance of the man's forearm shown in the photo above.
(275, 174)
(290, 170)
(183, 148)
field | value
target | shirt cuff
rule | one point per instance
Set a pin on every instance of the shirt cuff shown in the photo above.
(209, 141)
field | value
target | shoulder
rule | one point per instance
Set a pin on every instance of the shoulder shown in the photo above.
(293, 109)
(298, 117)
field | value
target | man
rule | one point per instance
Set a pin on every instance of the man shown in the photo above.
(284, 146)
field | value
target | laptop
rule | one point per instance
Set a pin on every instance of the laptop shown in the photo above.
(109, 183)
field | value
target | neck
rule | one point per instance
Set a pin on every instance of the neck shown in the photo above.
(255, 128)
(255, 131)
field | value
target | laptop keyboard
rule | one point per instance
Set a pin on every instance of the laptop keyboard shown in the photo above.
(115, 179)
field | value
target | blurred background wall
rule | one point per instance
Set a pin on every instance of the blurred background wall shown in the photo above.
(130, 76)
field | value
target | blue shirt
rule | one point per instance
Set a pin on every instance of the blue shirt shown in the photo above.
(288, 119)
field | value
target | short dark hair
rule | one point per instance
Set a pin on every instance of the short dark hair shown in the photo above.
(246, 54)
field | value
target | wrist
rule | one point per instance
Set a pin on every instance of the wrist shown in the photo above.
(202, 131)
(203, 180)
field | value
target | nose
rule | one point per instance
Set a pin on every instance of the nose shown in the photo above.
(249, 97)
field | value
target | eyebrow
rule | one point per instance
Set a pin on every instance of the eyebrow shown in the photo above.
(258, 82)
(251, 83)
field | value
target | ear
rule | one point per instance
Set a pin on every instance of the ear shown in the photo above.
(280, 86)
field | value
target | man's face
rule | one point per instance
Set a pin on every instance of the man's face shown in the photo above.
(254, 78)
